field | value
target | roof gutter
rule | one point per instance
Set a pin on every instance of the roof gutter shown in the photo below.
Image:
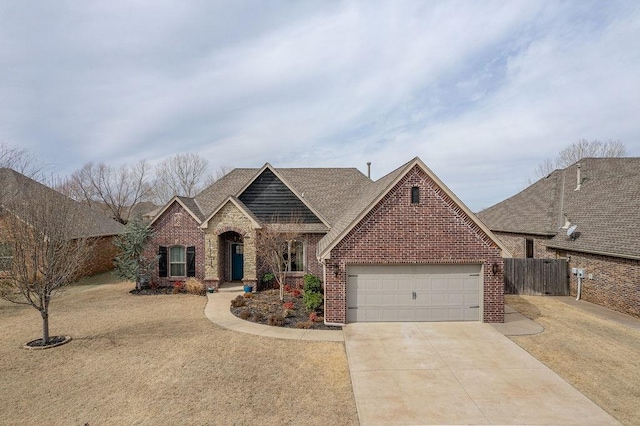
(599, 253)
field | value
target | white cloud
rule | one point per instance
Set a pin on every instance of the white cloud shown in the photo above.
(482, 91)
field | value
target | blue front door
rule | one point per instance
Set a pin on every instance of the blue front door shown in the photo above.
(237, 262)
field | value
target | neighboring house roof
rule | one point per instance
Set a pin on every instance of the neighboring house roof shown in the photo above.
(606, 208)
(17, 188)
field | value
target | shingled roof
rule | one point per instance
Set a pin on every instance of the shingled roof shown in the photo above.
(606, 208)
(18, 190)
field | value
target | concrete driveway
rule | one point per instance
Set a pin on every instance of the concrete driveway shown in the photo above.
(456, 373)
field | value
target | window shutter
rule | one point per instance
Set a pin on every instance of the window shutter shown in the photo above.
(162, 261)
(191, 261)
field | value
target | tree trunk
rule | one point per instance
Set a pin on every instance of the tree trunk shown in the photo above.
(45, 327)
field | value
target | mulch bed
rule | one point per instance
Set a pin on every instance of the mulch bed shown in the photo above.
(53, 342)
(262, 305)
(152, 291)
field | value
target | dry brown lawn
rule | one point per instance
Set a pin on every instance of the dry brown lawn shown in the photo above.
(598, 357)
(158, 360)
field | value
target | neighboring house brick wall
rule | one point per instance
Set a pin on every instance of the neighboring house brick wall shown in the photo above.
(516, 244)
(176, 227)
(615, 280)
(103, 252)
(396, 231)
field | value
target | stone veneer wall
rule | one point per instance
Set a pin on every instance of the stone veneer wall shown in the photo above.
(433, 231)
(229, 219)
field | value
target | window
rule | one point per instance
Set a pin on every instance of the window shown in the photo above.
(293, 257)
(6, 256)
(415, 195)
(528, 248)
(177, 261)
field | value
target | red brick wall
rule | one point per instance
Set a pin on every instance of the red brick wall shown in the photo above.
(176, 227)
(516, 245)
(102, 255)
(396, 231)
(615, 283)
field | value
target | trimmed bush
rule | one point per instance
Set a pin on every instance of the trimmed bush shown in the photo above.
(258, 316)
(312, 284)
(275, 320)
(244, 314)
(312, 300)
(238, 302)
(304, 324)
(195, 286)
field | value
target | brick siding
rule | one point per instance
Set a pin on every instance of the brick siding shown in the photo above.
(435, 231)
(176, 227)
(615, 283)
(102, 255)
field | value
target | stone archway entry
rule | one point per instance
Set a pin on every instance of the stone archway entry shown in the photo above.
(237, 261)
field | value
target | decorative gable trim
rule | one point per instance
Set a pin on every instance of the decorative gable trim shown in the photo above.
(175, 199)
(457, 204)
(289, 186)
(239, 205)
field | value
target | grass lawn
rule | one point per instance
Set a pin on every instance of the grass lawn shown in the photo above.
(158, 360)
(600, 358)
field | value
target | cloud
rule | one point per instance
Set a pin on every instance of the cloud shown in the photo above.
(482, 91)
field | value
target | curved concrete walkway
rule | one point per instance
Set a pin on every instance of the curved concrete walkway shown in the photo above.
(219, 312)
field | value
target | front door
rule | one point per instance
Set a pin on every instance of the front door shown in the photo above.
(237, 262)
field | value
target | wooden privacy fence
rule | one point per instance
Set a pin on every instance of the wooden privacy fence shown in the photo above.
(536, 277)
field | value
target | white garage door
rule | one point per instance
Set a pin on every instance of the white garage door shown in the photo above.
(413, 293)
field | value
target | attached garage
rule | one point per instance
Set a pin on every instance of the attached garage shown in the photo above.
(378, 293)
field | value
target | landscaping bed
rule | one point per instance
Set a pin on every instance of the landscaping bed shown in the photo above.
(265, 307)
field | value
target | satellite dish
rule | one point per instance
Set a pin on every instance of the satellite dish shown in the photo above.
(571, 230)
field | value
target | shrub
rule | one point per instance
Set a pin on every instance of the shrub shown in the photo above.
(312, 301)
(312, 284)
(287, 288)
(244, 314)
(288, 305)
(287, 313)
(268, 277)
(178, 287)
(238, 302)
(313, 317)
(275, 320)
(247, 295)
(258, 316)
(304, 324)
(195, 286)
(296, 293)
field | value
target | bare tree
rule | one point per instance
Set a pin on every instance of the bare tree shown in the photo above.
(274, 245)
(116, 189)
(578, 150)
(43, 252)
(182, 174)
(21, 160)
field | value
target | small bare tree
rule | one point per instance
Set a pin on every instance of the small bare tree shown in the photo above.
(117, 189)
(20, 160)
(182, 174)
(273, 248)
(46, 251)
(578, 150)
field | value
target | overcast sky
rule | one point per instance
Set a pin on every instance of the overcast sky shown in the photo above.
(481, 91)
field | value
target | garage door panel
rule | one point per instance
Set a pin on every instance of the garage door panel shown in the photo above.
(414, 293)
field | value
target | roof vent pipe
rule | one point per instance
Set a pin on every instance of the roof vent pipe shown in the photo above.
(578, 177)
(369, 169)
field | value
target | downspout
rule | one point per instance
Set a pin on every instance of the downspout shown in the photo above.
(579, 287)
